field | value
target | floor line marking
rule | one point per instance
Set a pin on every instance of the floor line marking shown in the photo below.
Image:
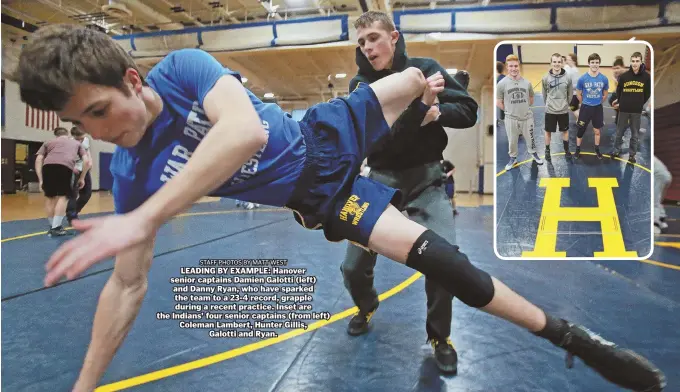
(233, 353)
(20, 237)
(660, 264)
(582, 153)
(668, 244)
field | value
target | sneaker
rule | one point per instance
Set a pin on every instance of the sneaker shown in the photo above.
(445, 355)
(620, 366)
(537, 158)
(358, 325)
(662, 225)
(511, 163)
(57, 232)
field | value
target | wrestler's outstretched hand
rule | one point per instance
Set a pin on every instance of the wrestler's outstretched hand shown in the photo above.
(101, 238)
(435, 85)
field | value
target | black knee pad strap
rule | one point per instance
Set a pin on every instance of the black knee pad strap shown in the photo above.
(581, 130)
(442, 262)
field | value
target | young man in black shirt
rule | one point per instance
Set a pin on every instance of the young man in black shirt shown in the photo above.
(632, 92)
(411, 162)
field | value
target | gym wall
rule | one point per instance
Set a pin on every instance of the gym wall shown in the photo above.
(540, 53)
(471, 149)
(17, 127)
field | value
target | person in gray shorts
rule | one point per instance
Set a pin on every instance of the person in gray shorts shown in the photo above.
(557, 91)
(632, 92)
(515, 95)
(55, 165)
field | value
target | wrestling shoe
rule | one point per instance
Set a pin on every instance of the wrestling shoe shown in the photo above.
(547, 154)
(358, 325)
(57, 232)
(511, 163)
(445, 355)
(620, 366)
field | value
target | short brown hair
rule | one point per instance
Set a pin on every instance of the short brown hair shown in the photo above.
(636, 55)
(500, 67)
(59, 57)
(556, 55)
(574, 57)
(594, 56)
(368, 18)
(77, 132)
(60, 131)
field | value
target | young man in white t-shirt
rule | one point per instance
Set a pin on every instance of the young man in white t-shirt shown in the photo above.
(82, 190)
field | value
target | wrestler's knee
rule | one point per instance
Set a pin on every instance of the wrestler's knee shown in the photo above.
(443, 262)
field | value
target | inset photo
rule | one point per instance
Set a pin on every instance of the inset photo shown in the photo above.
(573, 150)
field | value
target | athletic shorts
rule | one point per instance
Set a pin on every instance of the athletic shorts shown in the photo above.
(330, 194)
(591, 113)
(57, 180)
(552, 120)
(574, 104)
(450, 189)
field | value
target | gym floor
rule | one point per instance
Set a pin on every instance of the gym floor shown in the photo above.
(45, 331)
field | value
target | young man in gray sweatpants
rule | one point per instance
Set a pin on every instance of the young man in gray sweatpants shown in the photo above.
(515, 95)
(557, 92)
(411, 162)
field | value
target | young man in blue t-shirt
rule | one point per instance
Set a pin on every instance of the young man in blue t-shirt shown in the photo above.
(591, 91)
(190, 129)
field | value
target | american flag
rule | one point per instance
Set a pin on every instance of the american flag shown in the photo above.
(40, 119)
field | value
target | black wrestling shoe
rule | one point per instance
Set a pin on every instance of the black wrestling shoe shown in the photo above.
(598, 153)
(57, 232)
(445, 355)
(358, 325)
(631, 159)
(547, 154)
(620, 366)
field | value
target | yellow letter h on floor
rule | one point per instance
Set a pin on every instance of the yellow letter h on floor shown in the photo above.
(605, 213)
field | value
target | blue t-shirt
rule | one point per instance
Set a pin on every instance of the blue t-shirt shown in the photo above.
(592, 88)
(183, 79)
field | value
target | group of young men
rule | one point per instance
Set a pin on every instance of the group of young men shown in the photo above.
(191, 113)
(584, 97)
